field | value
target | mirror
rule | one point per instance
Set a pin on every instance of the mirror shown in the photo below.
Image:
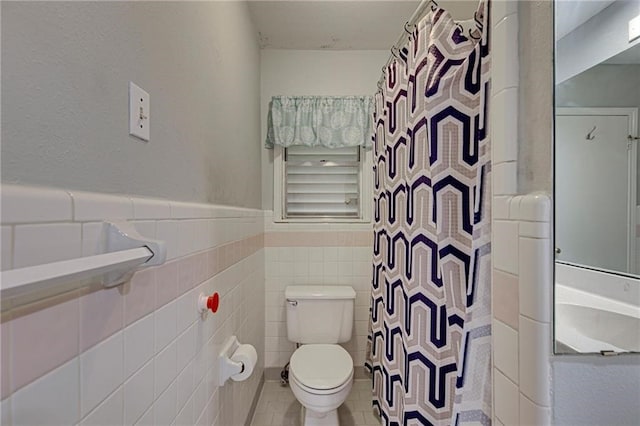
(597, 191)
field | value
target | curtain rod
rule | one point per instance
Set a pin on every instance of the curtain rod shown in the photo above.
(417, 14)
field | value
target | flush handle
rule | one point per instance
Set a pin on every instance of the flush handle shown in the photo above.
(292, 302)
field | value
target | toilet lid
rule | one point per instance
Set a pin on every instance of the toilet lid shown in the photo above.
(321, 366)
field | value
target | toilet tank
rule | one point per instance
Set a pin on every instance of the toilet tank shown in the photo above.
(319, 314)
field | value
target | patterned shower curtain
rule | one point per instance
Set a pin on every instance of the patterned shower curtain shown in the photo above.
(430, 333)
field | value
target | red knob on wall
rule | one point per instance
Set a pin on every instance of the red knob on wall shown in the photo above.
(213, 302)
(208, 302)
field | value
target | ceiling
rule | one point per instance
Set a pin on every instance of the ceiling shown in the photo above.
(339, 25)
(571, 14)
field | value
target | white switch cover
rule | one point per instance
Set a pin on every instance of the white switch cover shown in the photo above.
(139, 112)
(634, 28)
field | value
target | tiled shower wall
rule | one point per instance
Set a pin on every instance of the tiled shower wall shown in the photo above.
(138, 353)
(331, 254)
(521, 239)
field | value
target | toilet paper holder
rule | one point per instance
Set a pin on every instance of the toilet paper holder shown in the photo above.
(229, 367)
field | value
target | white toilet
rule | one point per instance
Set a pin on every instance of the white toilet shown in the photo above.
(320, 371)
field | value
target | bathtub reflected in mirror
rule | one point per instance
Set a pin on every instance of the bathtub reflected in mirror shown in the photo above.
(597, 191)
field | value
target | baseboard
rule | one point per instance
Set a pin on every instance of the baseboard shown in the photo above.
(254, 403)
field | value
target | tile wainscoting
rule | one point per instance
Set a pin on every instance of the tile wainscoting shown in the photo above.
(328, 254)
(138, 353)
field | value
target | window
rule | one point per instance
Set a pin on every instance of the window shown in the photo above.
(320, 184)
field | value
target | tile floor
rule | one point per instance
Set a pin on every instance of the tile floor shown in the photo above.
(278, 407)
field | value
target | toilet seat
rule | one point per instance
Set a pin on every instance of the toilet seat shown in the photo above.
(321, 369)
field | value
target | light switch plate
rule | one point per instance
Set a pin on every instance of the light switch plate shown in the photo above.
(634, 28)
(139, 112)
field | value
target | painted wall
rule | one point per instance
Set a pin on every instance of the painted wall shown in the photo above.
(535, 152)
(65, 74)
(601, 37)
(603, 86)
(312, 72)
(572, 379)
(138, 353)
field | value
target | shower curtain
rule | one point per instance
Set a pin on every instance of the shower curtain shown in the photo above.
(430, 331)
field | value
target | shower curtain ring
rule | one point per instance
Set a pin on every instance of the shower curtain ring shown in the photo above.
(394, 52)
(407, 26)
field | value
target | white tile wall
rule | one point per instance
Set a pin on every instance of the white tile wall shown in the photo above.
(145, 356)
(22, 204)
(314, 265)
(505, 340)
(138, 393)
(521, 357)
(38, 244)
(521, 247)
(506, 399)
(42, 401)
(101, 372)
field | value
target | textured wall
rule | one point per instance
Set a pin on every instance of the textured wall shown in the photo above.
(65, 73)
(535, 132)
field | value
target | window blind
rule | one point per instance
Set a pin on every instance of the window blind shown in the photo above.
(322, 182)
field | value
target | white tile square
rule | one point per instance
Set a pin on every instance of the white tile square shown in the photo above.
(138, 344)
(6, 247)
(506, 401)
(28, 204)
(536, 207)
(39, 244)
(42, 402)
(505, 246)
(187, 310)
(101, 371)
(92, 241)
(201, 239)
(164, 409)
(535, 229)
(182, 210)
(185, 415)
(505, 135)
(89, 206)
(200, 397)
(330, 254)
(165, 325)
(138, 393)
(109, 412)
(186, 237)
(148, 208)
(5, 412)
(147, 418)
(505, 180)
(532, 414)
(167, 231)
(186, 347)
(146, 228)
(500, 207)
(514, 207)
(536, 260)
(502, 8)
(165, 368)
(505, 350)
(504, 60)
(185, 385)
(535, 352)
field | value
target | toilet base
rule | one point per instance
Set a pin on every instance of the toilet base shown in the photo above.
(311, 418)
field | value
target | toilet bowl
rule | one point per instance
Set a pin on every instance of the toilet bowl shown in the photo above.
(321, 377)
